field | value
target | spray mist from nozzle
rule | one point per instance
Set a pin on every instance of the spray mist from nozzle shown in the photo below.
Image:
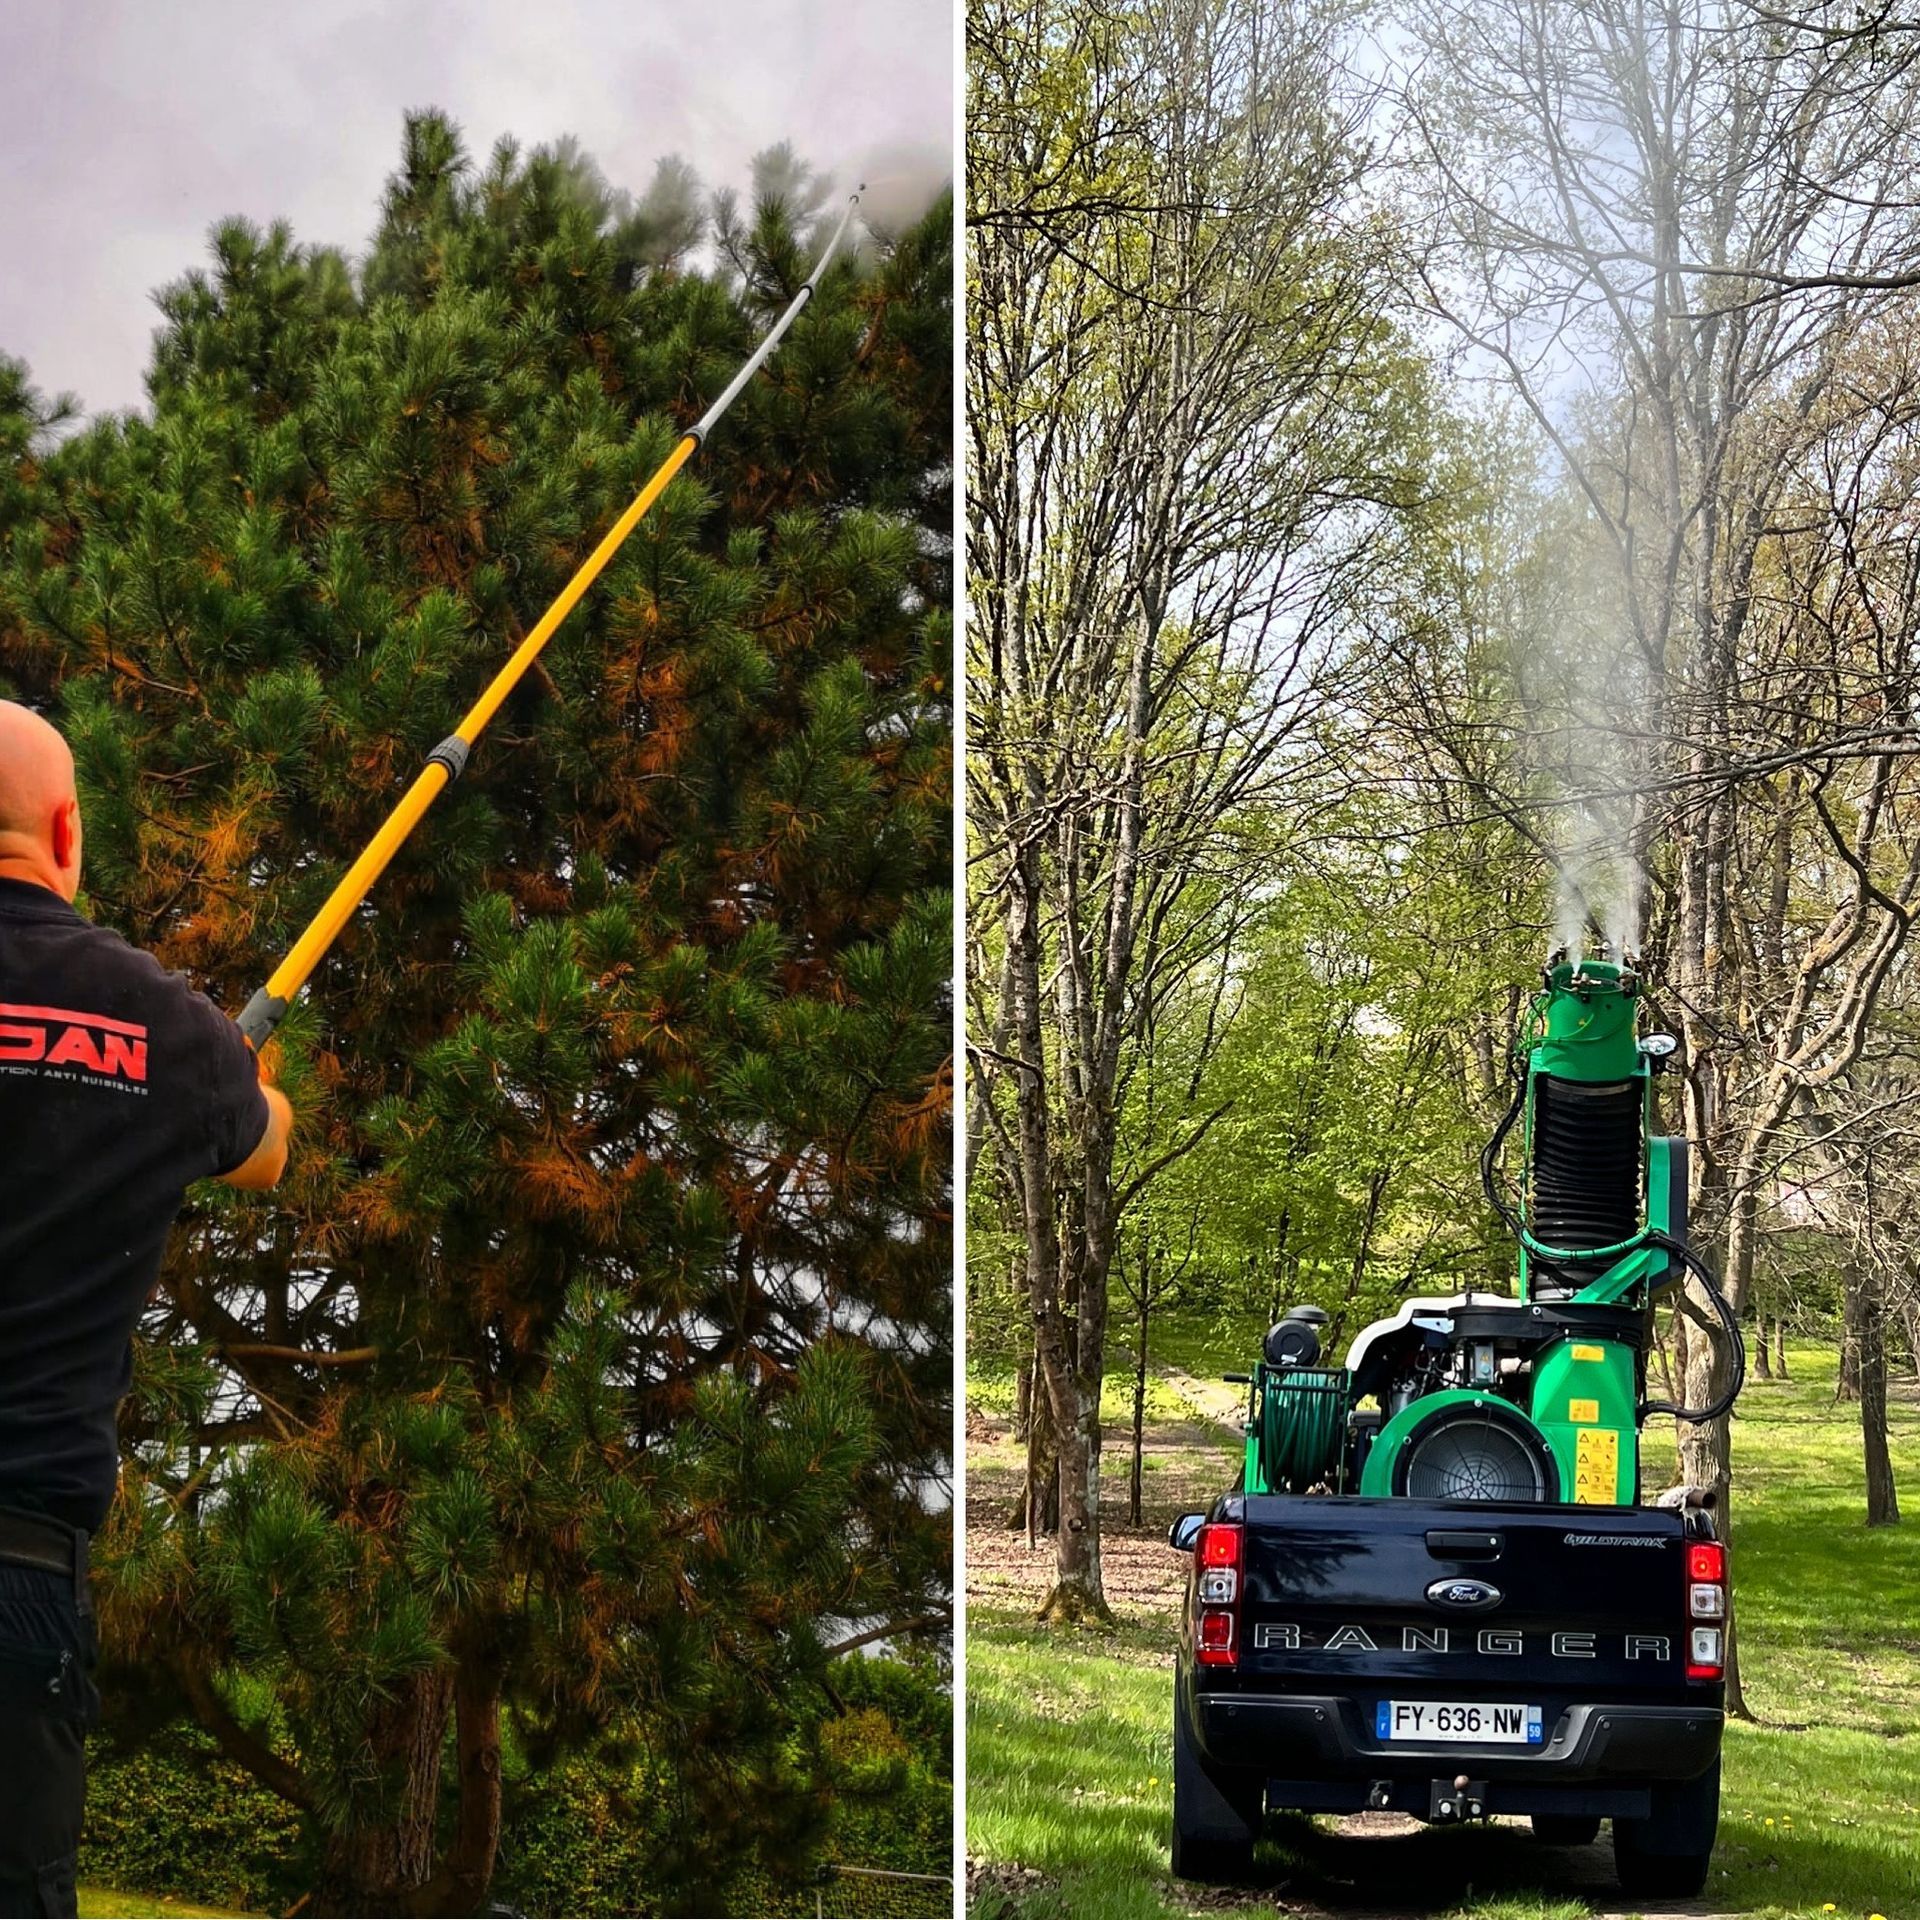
(902, 182)
(1598, 886)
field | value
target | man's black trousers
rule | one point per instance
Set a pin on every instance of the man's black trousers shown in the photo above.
(47, 1703)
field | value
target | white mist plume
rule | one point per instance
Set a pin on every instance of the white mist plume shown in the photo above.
(903, 180)
(1598, 884)
(1570, 915)
(1584, 686)
(1622, 920)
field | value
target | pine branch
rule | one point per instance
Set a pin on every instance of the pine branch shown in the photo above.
(306, 1356)
(254, 1754)
(922, 1624)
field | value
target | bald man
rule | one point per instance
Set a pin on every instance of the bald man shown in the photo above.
(119, 1087)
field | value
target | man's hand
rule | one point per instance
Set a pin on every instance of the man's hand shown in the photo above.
(263, 1167)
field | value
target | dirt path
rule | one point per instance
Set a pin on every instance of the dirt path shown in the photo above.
(1220, 1402)
(1186, 1464)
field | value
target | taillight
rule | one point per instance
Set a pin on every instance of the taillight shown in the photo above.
(1216, 1562)
(1214, 1640)
(1219, 1545)
(1706, 1601)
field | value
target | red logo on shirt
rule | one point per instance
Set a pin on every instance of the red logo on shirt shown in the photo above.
(88, 1042)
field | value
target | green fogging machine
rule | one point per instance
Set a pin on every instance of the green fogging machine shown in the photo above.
(1539, 1398)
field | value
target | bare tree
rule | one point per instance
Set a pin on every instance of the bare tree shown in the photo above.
(1174, 465)
(1667, 222)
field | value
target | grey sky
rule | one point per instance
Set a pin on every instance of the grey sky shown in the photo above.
(128, 127)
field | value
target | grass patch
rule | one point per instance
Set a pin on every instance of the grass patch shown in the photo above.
(1205, 1345)
(991, 1387)
(109, 1903)
(1069, 1744)
(1208, 1345)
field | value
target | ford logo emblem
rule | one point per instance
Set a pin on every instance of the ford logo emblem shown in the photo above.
(1469, 1596)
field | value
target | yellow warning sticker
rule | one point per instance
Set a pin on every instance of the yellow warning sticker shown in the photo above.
(1589, 1353)
(1596, 1468)
(1583, 1412)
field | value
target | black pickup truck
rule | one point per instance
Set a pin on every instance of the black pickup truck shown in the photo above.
(1452, 1662)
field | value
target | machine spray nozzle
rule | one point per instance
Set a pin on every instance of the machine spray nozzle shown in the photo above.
(1606, 969)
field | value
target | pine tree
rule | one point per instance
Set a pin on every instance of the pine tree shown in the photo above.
(590, 1372)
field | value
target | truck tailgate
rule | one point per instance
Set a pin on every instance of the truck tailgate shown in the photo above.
(1451, 1599)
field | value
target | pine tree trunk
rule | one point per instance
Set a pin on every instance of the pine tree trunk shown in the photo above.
(460, 1887)
(383, 1865)
(1883, 1500)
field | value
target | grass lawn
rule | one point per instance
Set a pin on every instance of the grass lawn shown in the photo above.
(1068, 1747)
(109, 1903)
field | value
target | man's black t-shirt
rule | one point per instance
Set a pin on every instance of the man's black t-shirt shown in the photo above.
(119, 1085)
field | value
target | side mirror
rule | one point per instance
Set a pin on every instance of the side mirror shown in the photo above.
(1185, 1531)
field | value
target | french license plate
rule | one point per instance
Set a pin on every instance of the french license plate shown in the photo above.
(1458, 1720)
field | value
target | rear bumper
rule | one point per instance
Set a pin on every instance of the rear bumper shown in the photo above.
(1304, 1737)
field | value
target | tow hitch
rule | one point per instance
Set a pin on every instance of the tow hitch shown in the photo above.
(1456, 1799)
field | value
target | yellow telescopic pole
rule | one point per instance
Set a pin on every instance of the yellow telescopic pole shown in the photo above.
(444, 765)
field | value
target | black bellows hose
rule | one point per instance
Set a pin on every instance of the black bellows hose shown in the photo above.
(1586, 1160)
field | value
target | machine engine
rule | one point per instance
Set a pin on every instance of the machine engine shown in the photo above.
(1536, 1399)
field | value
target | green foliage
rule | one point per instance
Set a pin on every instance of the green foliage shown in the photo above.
(1351, 1053)
(583, 1837)
(174, 1817)
(619, 1195)
(592, 1839)
(1270, 947)
(589, 1834)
